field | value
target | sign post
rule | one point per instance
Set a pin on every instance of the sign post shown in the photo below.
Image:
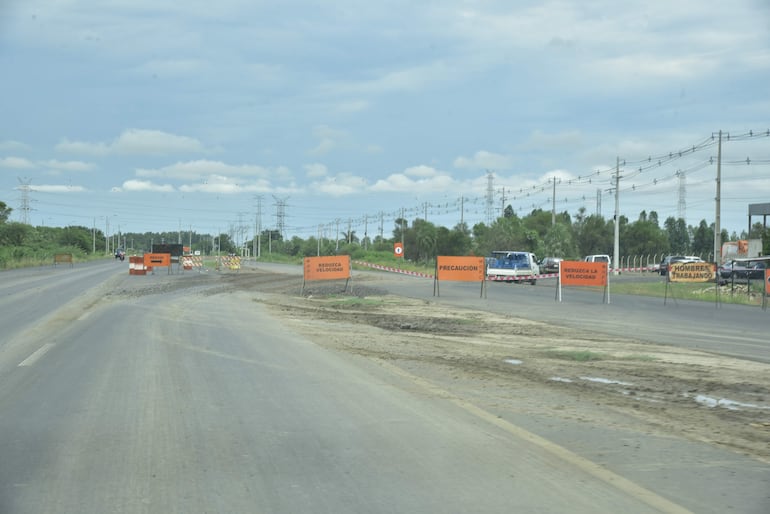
(459, 269)
(586, 274)
(692, 272)
(334, 267)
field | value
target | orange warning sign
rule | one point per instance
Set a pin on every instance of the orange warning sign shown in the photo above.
(580, 273)
(327, 268)
(460, 269)
(157, 260)
(398, 249)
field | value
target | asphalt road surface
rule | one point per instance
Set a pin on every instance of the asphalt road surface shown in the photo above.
(198, 401)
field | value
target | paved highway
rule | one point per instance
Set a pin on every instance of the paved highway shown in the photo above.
(177, 401)
(728, 329)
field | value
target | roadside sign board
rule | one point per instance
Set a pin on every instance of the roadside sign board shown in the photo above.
(327, 268)
(580, 273)
(460, 269)
(692, 272)
(398, 249)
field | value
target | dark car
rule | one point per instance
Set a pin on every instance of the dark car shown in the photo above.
(120, 254)
(550, 265)
(743, 270)
(671, 259)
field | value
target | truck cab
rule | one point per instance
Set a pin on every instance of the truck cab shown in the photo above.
(511, 266)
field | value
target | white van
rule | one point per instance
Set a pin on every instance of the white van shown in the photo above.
(597, 258)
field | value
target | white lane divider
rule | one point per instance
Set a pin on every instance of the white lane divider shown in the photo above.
(29, 361)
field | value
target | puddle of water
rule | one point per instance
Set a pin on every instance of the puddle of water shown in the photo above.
(708, 401)
(606, 381)
(514, 361)
(560, 379)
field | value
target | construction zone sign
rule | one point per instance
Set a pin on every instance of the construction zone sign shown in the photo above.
(584, 274)
(459, 269)
(335, 267)
(692, 272)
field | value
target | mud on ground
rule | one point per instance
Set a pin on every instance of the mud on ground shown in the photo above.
(511, 365)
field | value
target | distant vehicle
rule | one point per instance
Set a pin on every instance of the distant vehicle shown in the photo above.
(743, 270)
(513, 267)
(597, 258)
(550, 264)
(671, 259)
(120, 254)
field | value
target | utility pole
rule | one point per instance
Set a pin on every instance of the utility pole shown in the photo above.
(598, 202)
(616, 249)
(553, 205)
(717, 218)
(337, 236)
(258, 251)
(462, 209)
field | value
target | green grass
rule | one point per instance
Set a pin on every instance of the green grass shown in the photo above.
(686, 291)
(640, 358)
(575, 355)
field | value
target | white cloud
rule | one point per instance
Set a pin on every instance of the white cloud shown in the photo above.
(328, 138)
(483, 160)
(136, 142)
(53, 188)
(17, 163)
(68, 165)
(201, 169)
(224, 185)
(400, 182)
(13, 146)
(316, 170)
(540, 140)
(340, 185)
(145, 186)
(421, 171)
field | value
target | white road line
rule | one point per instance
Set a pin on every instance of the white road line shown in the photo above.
(29, 361)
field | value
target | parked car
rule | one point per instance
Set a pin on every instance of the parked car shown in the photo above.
(597, 258)
(550, 264)
(742, 270)
(671, 259)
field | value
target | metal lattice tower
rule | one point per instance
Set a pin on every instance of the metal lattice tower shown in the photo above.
(490, 200)
(681, 207)
(24, 208)
(280, 214)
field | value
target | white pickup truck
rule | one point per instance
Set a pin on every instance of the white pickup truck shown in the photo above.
(513, 267)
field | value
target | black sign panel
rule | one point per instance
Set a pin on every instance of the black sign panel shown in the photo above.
(176, 250)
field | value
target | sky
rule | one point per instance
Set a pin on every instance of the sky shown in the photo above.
(317, 117)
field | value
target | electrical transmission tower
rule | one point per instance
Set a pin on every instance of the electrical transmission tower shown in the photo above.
(681, 208)
(490, 200)
(24, 208)
(280, 214)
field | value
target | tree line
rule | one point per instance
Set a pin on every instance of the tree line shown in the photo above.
(564, 235)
